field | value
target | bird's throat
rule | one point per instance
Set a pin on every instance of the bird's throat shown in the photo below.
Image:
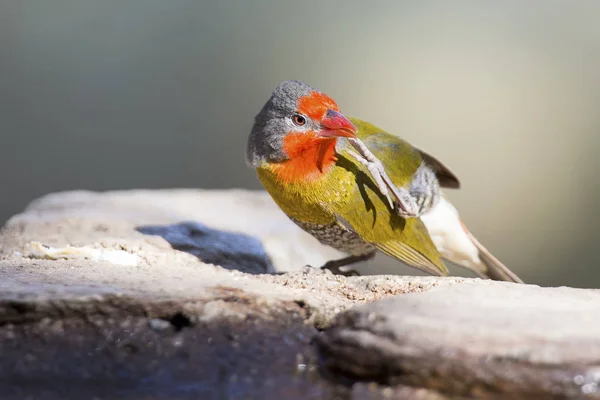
(310, 158)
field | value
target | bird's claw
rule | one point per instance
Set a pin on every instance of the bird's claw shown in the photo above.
(410, 207)
(406, 205)
(335, 269)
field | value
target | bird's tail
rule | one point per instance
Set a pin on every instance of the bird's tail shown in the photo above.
(493, 268)
(457, 245)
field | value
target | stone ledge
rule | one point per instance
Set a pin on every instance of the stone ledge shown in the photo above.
(478, 339)
(80, 271)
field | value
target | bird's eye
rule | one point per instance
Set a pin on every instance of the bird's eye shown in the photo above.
(299, 120)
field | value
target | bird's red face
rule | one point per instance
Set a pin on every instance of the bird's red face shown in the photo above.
(325, 115)
(296, 132)
(311, 150)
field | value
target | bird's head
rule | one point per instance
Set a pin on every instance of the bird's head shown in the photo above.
(294, 118)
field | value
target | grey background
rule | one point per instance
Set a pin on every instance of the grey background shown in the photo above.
(120, 94)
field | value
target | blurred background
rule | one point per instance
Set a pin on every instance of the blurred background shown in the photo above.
(155, 94)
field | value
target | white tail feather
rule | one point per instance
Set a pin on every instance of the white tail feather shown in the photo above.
(456, 244)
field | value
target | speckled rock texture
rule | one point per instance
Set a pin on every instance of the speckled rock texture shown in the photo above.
(479, 339)
(174, 294)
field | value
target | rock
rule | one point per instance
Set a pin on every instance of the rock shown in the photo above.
(477, 339)
(105, 291)
(213, 246)
(75, 244)
(203, 294)
(109, 220)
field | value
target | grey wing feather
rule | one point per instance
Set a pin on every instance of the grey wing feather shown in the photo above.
(446, 177)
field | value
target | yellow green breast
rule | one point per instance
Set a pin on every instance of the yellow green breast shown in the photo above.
(312, 200)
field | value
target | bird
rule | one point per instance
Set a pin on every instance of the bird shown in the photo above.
(303, 151)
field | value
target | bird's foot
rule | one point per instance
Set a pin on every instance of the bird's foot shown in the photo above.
(308, 269)
(409, 207)
(336, 269)
(405, 204)
(328, 268)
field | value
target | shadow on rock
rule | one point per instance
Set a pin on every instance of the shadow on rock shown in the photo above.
(230, 250)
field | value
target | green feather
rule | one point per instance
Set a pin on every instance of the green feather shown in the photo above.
(348, 195)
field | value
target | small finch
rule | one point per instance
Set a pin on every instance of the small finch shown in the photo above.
(359, 189)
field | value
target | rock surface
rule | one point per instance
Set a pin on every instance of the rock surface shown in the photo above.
(476, 339)
(75, 244)
(171, 294)
(109, 221)
(109, 295)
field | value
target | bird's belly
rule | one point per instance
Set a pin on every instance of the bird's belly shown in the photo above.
(312, 204)
(337, 237)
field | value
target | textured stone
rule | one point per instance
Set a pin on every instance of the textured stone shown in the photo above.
(204, 294)
(110, 290)
(109, 221)
(480, 338)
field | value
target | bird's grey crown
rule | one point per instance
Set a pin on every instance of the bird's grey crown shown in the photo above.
(284, 98)
(265, 142)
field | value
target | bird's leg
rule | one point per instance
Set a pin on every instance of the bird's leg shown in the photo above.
(407, 206)
(374, 168)
(425, 189)
(335, 265)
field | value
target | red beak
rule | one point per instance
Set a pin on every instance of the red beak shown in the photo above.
(334, 124)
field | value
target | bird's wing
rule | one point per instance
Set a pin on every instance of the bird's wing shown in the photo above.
(408, 242)
(445, 177)
(368, 214)
(413, 257)
(398, 154)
